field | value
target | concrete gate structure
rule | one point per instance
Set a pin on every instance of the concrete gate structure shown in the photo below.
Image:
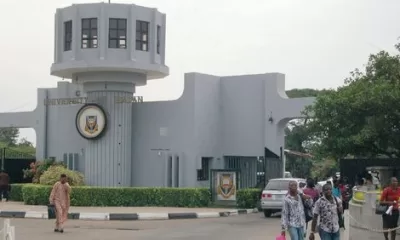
(96, 123)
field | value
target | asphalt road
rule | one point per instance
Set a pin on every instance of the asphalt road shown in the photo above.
(244, 227)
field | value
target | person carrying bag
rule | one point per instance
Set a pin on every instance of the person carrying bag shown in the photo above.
(389, 199)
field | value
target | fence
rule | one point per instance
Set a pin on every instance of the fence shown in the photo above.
(8, 231)
(364, 222)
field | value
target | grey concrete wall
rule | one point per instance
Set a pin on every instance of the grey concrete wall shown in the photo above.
(242, 115)
(214, 117)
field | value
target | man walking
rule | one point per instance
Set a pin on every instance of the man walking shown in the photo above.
(293, 215)
(60, 197)
(4, 185)
(328, 208)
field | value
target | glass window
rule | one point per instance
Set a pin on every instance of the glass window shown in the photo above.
(278, 185)
(68, 36)
(117, 33)
(89, 33)
(142, 35)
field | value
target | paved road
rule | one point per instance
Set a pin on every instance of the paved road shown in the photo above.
(244, 227)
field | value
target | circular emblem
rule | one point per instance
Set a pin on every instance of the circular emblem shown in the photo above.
(91, 121)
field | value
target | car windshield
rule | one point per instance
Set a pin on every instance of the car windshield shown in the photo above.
(277, 185)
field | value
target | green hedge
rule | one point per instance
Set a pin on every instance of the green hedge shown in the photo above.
(248, 197)
(34, 194)
(16, 192)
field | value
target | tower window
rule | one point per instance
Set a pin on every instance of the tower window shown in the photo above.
(142, 36)
(89, 33)
(117, 33)
(68, 36)
(158, 39)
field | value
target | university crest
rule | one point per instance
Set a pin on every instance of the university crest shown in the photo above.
(226, 185)
(91, 124)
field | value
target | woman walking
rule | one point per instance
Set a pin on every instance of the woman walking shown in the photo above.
(313, 192)
(390, 197)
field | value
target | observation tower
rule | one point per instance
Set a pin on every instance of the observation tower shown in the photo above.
(109, 49)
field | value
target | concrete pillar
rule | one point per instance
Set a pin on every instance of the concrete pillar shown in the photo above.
(108, 160)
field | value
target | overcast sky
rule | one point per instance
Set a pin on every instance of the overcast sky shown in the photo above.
(316, 43)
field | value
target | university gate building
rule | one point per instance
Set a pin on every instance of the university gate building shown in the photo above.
(94, 122)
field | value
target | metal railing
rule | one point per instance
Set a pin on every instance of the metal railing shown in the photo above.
(359, 198)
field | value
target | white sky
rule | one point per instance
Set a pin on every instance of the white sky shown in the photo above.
(315, 43)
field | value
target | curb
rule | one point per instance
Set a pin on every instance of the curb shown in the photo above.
(128, 216)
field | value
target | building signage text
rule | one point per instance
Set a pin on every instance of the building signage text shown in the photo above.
(85, 100)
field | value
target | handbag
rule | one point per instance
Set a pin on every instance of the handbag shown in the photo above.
(307, 210)
(340, 215)
(380, 209)
(51, 211)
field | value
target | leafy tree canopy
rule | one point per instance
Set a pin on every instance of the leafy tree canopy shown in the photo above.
(9, 139)
(361, 118)
(9, 136)
(304, 92)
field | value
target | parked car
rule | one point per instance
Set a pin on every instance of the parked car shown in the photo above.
(273, 194)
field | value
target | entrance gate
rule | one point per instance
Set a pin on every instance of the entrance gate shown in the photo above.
(13, 162)
(247, 167)
(274, 165)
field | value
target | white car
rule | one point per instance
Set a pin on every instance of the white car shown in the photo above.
(273, 194)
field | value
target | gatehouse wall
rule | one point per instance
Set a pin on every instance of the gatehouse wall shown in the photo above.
(103, 52)
(214, 117)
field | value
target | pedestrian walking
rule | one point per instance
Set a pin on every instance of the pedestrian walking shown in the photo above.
(293, 215)
(60, 197)
(390, 197)
(313, 192)
(4, 185)
(336, 189)
(329, 209)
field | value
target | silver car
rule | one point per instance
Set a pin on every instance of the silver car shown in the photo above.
(273, 194)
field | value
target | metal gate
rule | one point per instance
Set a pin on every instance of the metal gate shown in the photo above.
(247, 167)
(356, 168)
(274, 165)
(13, 162)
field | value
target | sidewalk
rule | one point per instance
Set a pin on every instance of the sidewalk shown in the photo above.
(19, 210)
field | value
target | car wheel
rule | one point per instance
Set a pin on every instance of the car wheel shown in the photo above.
(267, 213)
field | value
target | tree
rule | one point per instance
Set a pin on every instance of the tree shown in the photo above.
(304, 92)
(297, 138)
(294, 140)
(9, 136)
(25, 143)
(361, 118)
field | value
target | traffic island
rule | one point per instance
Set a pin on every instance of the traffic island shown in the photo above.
(139, 216)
